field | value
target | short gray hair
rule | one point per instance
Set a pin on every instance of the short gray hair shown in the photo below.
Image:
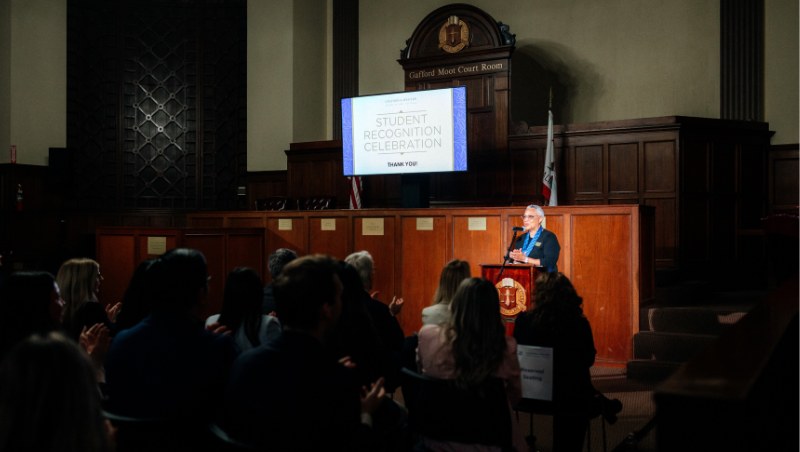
(539, 210)
(364, 265)
(279, 259)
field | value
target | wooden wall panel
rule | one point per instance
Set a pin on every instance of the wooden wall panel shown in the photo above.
(116, 255)
(478, 246)
(172, 239)
(784, 175)
(287, 231)
(119, 250)
(588, 170)
(424, 253)
(245, 249)
(246, 221)
(336, 242)
(659, 167)
(602, 250)
(667, 234)
(623, 168)
(383, 246)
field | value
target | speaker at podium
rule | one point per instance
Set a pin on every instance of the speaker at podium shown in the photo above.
(515, 284)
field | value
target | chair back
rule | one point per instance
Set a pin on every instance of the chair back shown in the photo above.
(440, 410)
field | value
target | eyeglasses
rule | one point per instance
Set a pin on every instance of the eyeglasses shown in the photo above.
(528, 217)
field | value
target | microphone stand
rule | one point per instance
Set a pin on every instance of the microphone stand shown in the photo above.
(506, 257)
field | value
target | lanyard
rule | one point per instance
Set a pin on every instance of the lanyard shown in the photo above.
(527, 245)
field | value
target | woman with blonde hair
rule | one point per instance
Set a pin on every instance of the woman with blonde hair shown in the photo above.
(79, 280)
(453, 273)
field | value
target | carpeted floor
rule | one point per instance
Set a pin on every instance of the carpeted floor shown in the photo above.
(637, 410)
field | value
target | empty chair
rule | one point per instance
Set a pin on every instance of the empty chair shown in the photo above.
(316, 203)
(273, 203)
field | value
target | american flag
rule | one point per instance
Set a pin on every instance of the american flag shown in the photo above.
(355, 192)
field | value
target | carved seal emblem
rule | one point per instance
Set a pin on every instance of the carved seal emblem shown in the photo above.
(454, 35)
(512, 297)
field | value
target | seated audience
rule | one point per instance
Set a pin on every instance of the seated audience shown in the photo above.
(79, 280)
(241, 310)
(556, 320)
(452, 274)
(292, 393)
(275, 264)
(49, 400)
(471, 347)
(169, 366)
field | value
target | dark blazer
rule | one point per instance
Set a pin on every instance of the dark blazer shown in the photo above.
(292, 394)
(547, 249)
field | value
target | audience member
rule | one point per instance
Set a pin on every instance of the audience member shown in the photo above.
(169, 366)
(30, 303)
(137, 300)
(471, 347)
(275, 264)
(79, 280)
(291, 393)
(383, 317)
(356, 335)
(556, 320)
(241, 310)
(49, 400)
(453, 273)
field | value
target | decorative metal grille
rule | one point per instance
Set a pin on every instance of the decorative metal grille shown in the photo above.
(162, 125)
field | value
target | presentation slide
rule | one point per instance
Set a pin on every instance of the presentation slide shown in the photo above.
(408, 132)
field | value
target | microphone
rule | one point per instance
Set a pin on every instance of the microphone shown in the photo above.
(517, 229)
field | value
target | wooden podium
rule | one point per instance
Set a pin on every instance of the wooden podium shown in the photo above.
(514, 287)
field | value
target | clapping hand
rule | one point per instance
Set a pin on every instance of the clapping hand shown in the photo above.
(95, 341)
(396, 305)
(371, 397)
(112, 311)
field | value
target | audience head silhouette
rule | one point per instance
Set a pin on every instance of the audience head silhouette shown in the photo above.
(279, 259)
(452, 274)
(49, 399)
(180, 280)
(554, 292)
(241, 302)
(364, 265)
(137, 300)
(476, 331)
(308, 294)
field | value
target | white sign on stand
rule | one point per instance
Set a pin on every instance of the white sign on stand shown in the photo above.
(536, 365)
